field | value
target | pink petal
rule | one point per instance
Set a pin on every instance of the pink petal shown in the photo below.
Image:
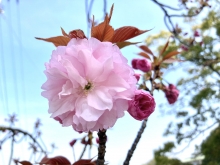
(93, 68)
(115, 82)
(74, 75)
(100, 99)
(85, 111)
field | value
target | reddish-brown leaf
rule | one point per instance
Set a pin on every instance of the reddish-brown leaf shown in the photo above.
(25, 163)
(143, 54)
(164, 48)
(111, 11)
(146, 49)
(57, 41)
(64, 33)
(84, 162)
(77, 34)
(103, 31)
(125, 43)
(170, 54)
(126, 32)
(58, 160)
(43, 160)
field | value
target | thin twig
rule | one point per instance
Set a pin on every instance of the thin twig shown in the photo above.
(134, 145)
(16, 130)
(12, 149)
(84, 149)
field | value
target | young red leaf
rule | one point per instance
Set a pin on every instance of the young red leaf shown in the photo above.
(164, 48)
(57, 41)
(58, 160)
(143, 54)
(170, 54)
(77, 34)
(103, 31)
(64, 33)
(111, 11)
(125, 43)
(25, 163)
(125, 33)
(84, 162)
(146, 49)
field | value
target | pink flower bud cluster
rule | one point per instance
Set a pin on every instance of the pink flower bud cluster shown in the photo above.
(171, 93)
(141, 64)
(142, 105)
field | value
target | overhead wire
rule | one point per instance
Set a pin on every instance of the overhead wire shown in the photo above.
(14, 64)
(3, 77)
(21, 58)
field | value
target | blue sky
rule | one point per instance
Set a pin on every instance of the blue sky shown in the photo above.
(22, 64)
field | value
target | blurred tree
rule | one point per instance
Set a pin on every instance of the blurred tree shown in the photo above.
(197, 37)
(161, 158)
(210, 148)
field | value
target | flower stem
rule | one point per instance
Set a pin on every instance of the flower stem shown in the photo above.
(101, 149)
(84, 149)
(134, 145)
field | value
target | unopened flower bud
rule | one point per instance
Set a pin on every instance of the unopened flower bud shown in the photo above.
(72, 142)
(141, 64)
(171, 93)
(142, 105)
(196, 34)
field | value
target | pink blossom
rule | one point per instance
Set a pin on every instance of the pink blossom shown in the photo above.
(171, 93)
(141, 64)
(142, 105)
(89, 84)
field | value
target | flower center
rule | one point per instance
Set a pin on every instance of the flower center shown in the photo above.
(88, 87)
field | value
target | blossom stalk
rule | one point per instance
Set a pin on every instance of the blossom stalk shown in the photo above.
(101, 149)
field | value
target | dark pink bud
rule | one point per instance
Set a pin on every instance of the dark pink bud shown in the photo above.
(144, 65)
(137, 76)
(183, 47)
(141, 64)
(142, 105)
(196, 34)
(134, 63)
(97, 140)
(72, 142)
(171, 93)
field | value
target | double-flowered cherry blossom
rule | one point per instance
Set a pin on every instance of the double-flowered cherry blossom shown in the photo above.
(89, 84)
